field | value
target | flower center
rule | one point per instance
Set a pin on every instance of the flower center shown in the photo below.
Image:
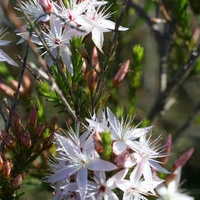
(102, 189)
(57, 42)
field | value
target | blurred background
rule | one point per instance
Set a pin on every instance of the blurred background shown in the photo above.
(169, 34)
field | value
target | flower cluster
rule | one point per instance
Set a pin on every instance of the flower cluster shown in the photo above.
(62, 22)
(80, 169)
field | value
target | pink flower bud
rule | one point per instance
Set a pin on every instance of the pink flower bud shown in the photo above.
(32, 121)
(121, 73)
(15, 120)
(6, 169)
(26, 139)
(46, 5)
(181, 161)
(7, 139)
(95, 59)
(48, 141)
(27, 83)
(121, 158)
(92, 79)
(167, 149)
(17, 182)
(40, 129)
(53, 125)
(18, 132)
(97, 144)
(15, 85)
(1, 162)
(8, 91)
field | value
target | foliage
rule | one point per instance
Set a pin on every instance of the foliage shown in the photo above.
(71, 68)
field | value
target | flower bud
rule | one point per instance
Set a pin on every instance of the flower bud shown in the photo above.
(26, 82)
(18, 133)
(121, 73)
(17, 182)
(196, 34)
(84, 69)
(48, 141)
(92, 79)
(15, 120)
(1, 162)
(97, 139)
(8, 141)
(93, 74)
(95, 59)
(22, 91)
(6, 169)
(46, 5)
(166, 150)
(53, 124)
(26, 139)
(40, 129)
(32, 120)
(121, 159)
(181, 161)
(8, 91)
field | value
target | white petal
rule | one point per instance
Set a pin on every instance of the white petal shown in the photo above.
(137, 173)
(157, 167)
(5, 58)
(66, 58)
(119, 147)
(98, 39)
(138, 132)
(62, 174)
(82, 182)
(67, 145)
(110, 195)
(121, 28)
(108, 24)
(4, 42)
(111, 182)
(100, 165)
(124, 185)
(162, 190)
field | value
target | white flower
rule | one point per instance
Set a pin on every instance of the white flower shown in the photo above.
(74, 13)
(33, 9)
(3, 56)
(123, 134)
(97, 19)
(58, 41)
(172, 191)
(78, 162)
(137, 188)
(146, 151)
(102, 188)
(97, 124)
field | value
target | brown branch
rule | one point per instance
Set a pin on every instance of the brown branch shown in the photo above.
(186, 124)
(174, 84)
(109, 52)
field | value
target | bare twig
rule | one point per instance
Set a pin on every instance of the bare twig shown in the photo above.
(162, 40)
(174, 84)
(188, 122)
(110, 50)
(14, 102)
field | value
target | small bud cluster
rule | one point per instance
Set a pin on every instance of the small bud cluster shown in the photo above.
(22, 145)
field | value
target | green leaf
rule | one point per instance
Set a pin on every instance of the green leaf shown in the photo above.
(106, 145)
